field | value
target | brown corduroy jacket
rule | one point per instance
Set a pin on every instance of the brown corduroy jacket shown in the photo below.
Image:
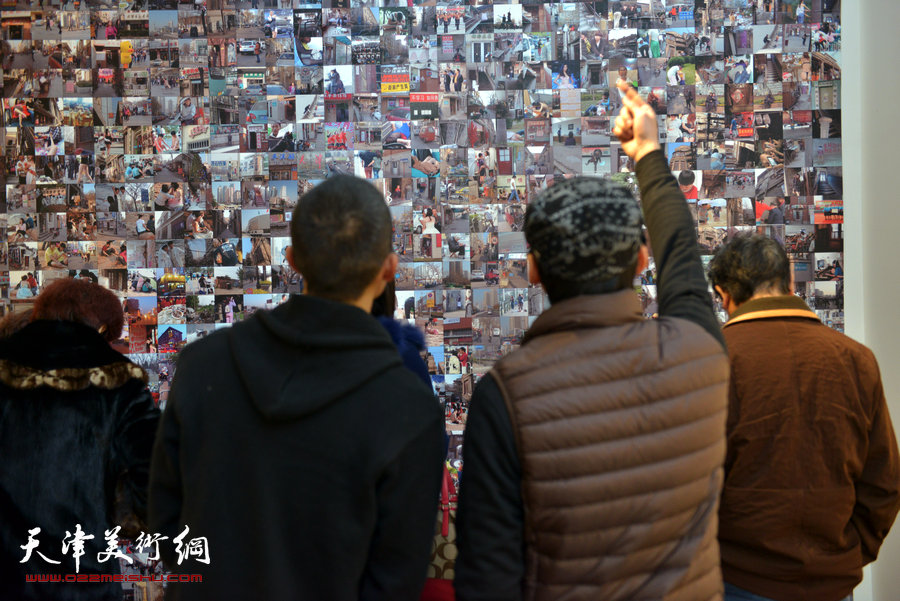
(812, 476)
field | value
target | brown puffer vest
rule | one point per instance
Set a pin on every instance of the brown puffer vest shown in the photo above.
(620, 428)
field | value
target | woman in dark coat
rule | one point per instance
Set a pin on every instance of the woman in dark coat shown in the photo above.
(76, 430)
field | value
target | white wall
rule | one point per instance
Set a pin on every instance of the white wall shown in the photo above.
(871, 138)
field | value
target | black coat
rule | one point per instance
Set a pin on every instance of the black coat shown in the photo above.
(76, 419)
(299, 445)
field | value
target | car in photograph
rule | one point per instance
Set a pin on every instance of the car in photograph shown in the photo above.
(427, 133)
(477, 275)
(285, 59)
(249, 46)
(284, 31)
(398, 114)
(273, 89)
(259, 112)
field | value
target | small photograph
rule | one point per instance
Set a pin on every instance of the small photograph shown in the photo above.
(770, 153)
(433, 328)
(770, 211)
(767, 97)
(710, 41)
(740, 212)
(141, 311)
(829, 267)
(81, 255)
(767, 39)
(678, 100)
(485, 302)
(256, 280)
(710, 70)
(457, 408)
(739, 68)
(566, 75)
(24, 286)
(826, 37)
(680, 128)
(828, 212)
(825, 153)
(140, 226)
(227, 280)
(829, 237)
(538, 46)
(712, 98)
(826, 124)
(513, 302)
(713, 212)
(799, 239)
(739, 99)
(172, 310)
(53, 255)
(622, 43)
(171, 338)
(770, 183)
(21, 228)
(710, 127)
(200, 309)
(710, 238)
(768, 125)
(456, 273)
(141, 254)
(170, 283)
(825, 295)
(257, 302)
(688, 183)
(456, 361)
(141, 282)
(229, 308)
(429, 303)
(740, 183)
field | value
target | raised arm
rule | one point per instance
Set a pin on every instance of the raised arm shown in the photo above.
(682, 287)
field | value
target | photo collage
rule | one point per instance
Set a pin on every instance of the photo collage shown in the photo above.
(159, 147)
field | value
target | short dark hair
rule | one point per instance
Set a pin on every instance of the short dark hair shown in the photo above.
(386, 304)
(748, 264)
(559, 289)
(341, 233)
(82, 302)
(686, 178)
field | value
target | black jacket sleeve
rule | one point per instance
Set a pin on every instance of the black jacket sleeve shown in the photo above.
(682, 287)
(490, 519)
(136, 428)
(165, 479)
(408, 494)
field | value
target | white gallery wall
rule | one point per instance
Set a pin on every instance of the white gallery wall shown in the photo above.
(871, 128)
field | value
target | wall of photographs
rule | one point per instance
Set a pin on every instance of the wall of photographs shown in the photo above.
(159, 146)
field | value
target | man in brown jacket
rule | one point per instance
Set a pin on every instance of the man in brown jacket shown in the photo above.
(593, 454)
(812, 471)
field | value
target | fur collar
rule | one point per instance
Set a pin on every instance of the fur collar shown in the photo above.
(67, 379)
(65, 356)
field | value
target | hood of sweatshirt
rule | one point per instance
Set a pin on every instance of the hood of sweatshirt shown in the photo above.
(307, 353)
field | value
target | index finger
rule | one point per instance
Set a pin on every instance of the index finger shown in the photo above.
(630, 97)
